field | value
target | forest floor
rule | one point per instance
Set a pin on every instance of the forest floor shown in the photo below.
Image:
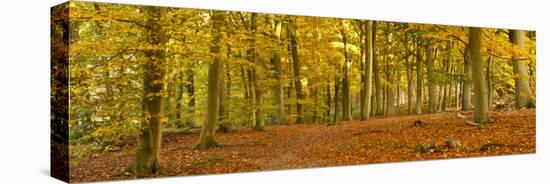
(380, 139)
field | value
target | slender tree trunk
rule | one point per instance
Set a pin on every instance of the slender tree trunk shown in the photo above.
(206, 139)
(252, 97)
(362, 73)
(409, 85)
(419, 81)
(260, 121)
(296, 68)
(191, 92)
(481, 114)
(523, 96)
(170, 103)
(329, 102)
(278, 90)
(458, 87)
(489, 82)
(390, 90)
(225, 94)
(367, 86)
(346, 101)
(244, 78)
(467, 83)
(179, 99)
(376, 74)
(432, 106)
(251, 74)
(222, 125)
(336, 89)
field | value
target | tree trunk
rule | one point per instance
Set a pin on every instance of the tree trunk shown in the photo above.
(179, 98)
(362, 73)
(458, 96)
(390, 89)
(296, 68)
(329, 102)
(223, 112)
(481, 114)
(260, 121)
(432, 106)
(409, 85)
(419, 81)
(346, 101)
(147, 159)
(376, 74)
(467, 83)
(368, 69)
(278, 91)
(489, 82)
(255, 92)
(336, 89)
(191, 92)
(523, 96)
(206, 139)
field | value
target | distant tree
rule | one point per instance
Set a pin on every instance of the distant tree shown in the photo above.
(206, 139)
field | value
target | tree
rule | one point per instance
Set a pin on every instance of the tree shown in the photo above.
(255, 92)
(147, 159)
(206, 139)
(367, 85)
(291, 26)
(346, 93)
(432, 106)
(523, 95)
(409, 60)
(467, 81)
(481, 109)
(278, 90)
(419, 80)
(376, 74)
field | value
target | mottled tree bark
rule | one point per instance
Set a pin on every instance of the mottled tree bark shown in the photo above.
(419, 80)
(206, 139)
(346, 101)
(488, 73)
(409, 84)
(367, 85)
(329, 101)
(179, 98)
(523, 96)
(432, 106)
(296, 69)
(278, 90)
(467, 83)
(190, 78)
(481, 109)
(336, 89)
(223, 113)
(147, 158)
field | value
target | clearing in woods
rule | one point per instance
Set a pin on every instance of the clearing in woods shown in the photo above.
(385, 139)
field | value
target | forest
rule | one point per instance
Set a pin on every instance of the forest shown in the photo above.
(158, 91)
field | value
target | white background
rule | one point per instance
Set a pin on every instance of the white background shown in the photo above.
(24, 90)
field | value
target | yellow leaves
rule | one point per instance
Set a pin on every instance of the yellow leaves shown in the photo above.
(499, 45)
(100, 132)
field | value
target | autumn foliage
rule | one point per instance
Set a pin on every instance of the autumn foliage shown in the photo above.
(157, 91)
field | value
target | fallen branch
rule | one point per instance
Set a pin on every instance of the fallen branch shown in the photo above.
(471, 123)
(467, 121)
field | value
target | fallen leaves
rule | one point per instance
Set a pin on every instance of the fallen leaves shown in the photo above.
(378, 140)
